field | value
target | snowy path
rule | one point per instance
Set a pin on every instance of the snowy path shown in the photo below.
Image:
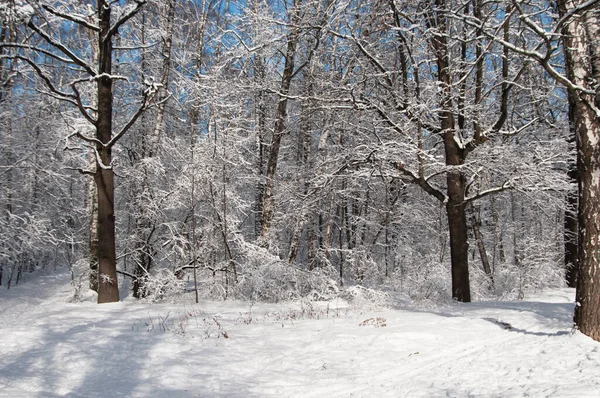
(50, 348)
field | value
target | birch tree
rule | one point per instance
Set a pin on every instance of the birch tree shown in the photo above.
(579, 25)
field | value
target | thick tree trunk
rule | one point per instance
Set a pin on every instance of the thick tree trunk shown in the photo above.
(108, 287)
(587, 310)
(92, 194)
(456, 185)
(459, 247)
(268, 202)
(580, 36)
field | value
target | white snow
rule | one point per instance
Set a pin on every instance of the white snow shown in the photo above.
(51, 348)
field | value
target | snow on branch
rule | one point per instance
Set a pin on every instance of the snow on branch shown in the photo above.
(535, 54)
(516, 131)
(59, 94)
(62, 48)
(86, 172)
(71, 17)
(422, 182)
(127, 15)
(26, 46)
(20, 11)
(85, 138)
(149, 93)
(99, 161)
(8, 79)
(578, 9)
(241, 41)
(106, 76)
(504, 187)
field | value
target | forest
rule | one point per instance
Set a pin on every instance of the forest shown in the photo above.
(272, 150)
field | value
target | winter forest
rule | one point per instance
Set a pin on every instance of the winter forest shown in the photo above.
(267, 151)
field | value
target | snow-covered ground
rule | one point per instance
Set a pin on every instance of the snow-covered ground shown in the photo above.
(51, 348)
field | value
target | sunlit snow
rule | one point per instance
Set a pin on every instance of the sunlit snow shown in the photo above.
(52, 348)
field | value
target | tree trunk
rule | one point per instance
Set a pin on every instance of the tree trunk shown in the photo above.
(159, 125)
(108, 287)
(268, 207)
(580, 34)
(92, 193)
(571, 247)
(261, 114)
(313, 243)
(498, 239)
(145, 225)
(587, 310)
(455, 206)
(459, 248)
(303, 162)
(570, 240)
(93, 235)
(485, 262)
(296, 235)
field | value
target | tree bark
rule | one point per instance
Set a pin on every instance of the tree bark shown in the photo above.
(587, 310)
(268, 207)
(571, 248)
(583, 71)
(455, 180)
(108, 288)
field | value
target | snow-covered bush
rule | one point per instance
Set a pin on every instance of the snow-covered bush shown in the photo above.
(162, 284)
(362, 298)
(261, 276)
(424, 279)
(280, 281)
(538, 269)
(362, 267)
